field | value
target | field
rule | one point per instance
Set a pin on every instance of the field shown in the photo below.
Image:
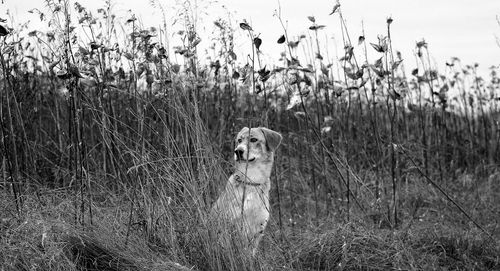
(115, 144)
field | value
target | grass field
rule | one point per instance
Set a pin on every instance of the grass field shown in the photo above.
(115, 144)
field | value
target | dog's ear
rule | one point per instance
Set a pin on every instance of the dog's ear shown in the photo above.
(243, 130)
(273, 139)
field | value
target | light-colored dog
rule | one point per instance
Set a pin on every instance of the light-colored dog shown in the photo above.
(245, 200)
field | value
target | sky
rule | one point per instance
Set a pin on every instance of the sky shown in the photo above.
(453, 28)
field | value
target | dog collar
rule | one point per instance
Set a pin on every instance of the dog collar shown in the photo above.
(238, 179)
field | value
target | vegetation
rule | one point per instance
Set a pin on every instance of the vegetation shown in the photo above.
(115, 144)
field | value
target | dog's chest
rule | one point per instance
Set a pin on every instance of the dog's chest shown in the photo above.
(250, 202)
(256, 204)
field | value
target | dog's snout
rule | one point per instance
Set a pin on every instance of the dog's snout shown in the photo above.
(239, 153)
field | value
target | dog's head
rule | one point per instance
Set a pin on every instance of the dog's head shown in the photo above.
(256, 145)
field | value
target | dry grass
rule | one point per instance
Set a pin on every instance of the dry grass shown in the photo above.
(432, 247)
(43, 240)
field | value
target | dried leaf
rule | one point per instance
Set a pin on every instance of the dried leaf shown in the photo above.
(232, 55)
(421, 44)
(258, 89)
(176, 68)
(305, 70)
(444, 88)
(293, 44)
(128, 56)
(325, 70)
(354, 75)
(414, 72)
(245, 26)
(133, 19)
(3, 31)
(294, 63)
(361, 39)
(83, 51)
(74, 71)
(379, 72)
(281, 39)
(195, 42)
(396, 63)
(316, 27)
(257, 41)
(379, 48)
(236, 75)
(349, 52)
(335, 8)
(264, 74)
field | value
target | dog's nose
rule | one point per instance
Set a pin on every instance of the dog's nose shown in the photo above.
(239, 154)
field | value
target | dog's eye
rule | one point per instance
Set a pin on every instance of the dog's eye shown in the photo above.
(253, 140)
(239, 140)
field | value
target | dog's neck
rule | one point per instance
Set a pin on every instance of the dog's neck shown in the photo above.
(256, 174)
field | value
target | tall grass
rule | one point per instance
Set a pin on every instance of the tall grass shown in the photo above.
(115, 144)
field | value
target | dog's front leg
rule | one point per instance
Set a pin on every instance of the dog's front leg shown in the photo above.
(258, 236)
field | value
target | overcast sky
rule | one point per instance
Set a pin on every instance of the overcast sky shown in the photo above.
(453, 28)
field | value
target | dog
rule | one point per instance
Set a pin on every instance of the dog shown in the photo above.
(245, 200)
